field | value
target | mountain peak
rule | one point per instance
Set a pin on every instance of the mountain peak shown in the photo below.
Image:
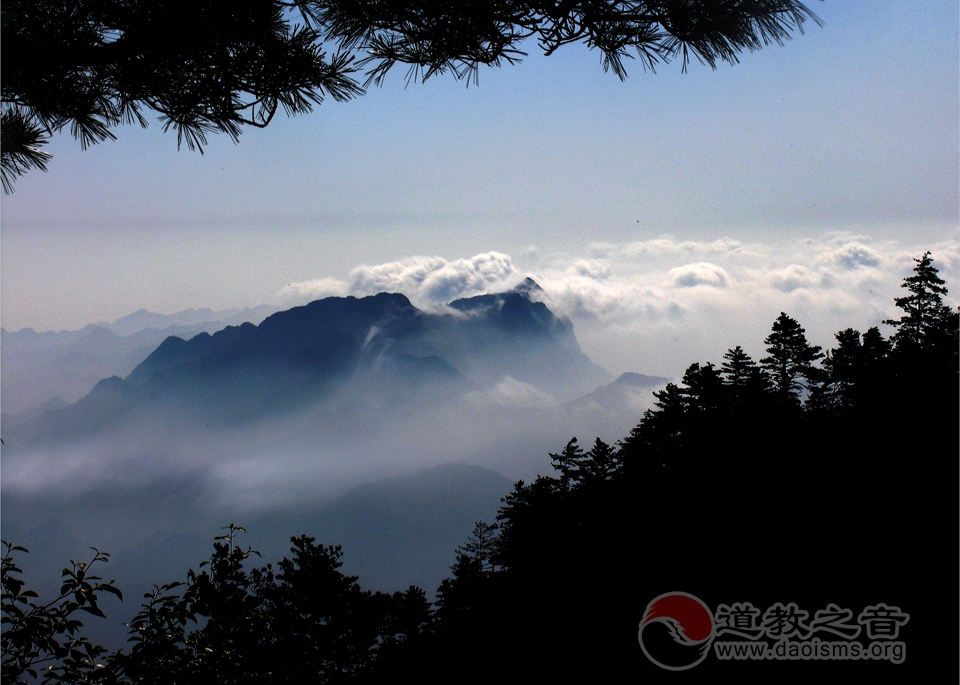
(528, 287)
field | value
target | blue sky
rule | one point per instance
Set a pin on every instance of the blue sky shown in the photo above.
(670, 216)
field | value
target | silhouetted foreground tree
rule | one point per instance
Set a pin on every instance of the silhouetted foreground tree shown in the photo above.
(43, 640)
(301, 622)
(926, 319)
(214, 66)
(791, 359)
(205, 67)
(436, 37)
(779, 482)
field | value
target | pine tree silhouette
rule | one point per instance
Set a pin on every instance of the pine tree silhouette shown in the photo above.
(791, 359)
(925, 315)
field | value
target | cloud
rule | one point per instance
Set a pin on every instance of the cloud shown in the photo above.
(510, 392)
(854, 255)
(656, 306)
(592, 268)
(435, 280)
(793, 277)
(405, 275)
(610, 300)
(425, 280)
(700, 273)
(464, 277)
(666, 246)
(946, 257)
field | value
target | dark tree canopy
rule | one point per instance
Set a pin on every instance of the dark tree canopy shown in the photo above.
(925, 316)
(791, 359)
(737, 367)
(43, 639)
(458, 36)
(204, 67)
(213, 66)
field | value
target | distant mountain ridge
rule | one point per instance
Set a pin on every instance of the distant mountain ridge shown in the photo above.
(628, 390)
(64, 366)
(376, 353)
(348, 338)
(143, 319)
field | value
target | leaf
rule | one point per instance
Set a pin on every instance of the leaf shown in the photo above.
(112, 589)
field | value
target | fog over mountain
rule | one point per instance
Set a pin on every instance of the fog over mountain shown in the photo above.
(395, 532)
(335, 392)
(336, 356)
(268, 425)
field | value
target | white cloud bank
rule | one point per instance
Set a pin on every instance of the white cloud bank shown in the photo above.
(658, 305)
(425, 280)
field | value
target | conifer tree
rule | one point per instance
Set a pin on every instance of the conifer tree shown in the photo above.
(875, 346)
(474, 563)
(482, 545)
(663, 424)
(926, 320)
(577, 467)
(746, 383)
(737, 368)
(703, 387)
(569, 462)
(843, 366)
(601, 463)
(791, 360)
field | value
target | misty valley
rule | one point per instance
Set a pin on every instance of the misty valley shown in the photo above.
(489, 484)
(364, 422)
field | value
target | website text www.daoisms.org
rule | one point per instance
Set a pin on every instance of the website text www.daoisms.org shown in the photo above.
(678, 631)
